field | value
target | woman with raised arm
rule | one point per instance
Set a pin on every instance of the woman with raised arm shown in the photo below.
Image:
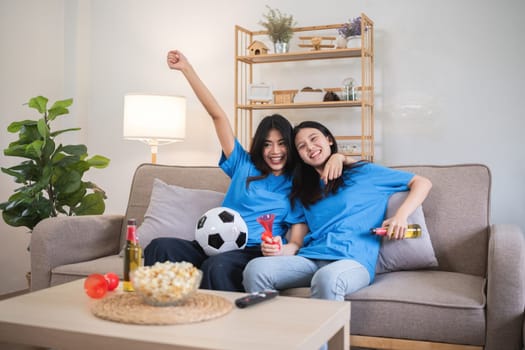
(261, 183)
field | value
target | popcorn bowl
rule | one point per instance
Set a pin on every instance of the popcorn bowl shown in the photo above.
(166, 284)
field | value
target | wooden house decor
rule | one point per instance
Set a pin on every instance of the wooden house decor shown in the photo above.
(257, 48)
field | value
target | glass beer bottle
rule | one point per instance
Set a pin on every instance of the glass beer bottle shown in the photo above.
(412, 231)
(132, 255)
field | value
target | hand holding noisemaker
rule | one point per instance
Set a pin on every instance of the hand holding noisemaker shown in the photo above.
(266, 221)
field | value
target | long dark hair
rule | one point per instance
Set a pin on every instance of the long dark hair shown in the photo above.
(281, 124)
(306, 180)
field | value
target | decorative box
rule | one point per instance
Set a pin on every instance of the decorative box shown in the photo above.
(284, 96)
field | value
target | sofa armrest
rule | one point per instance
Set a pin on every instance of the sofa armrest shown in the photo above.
(505, 287)
(70, 239)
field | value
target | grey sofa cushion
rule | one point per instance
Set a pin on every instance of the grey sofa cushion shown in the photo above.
(432, 288)
(419, 322)
(173, 211)
(423, 305)
(443, 306)
(406, 254)
(437, 305)
(197, 177)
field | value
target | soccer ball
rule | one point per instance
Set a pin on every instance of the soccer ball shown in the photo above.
(220, 230)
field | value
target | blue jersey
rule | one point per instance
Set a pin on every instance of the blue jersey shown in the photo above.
(269, 195)
(340, 223)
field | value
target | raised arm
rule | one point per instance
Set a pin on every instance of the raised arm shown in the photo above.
(176, 60)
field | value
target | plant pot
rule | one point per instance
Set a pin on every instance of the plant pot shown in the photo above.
(341, 42)
(280, 47)
(353, 42)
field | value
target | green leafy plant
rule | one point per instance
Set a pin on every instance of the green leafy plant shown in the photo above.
(278, 25)
(51, 175)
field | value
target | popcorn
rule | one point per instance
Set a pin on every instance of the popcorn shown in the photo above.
(166, 283)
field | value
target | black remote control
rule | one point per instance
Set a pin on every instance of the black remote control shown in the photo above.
(255, 298)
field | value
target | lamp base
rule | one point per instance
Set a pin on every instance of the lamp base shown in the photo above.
(154, 145)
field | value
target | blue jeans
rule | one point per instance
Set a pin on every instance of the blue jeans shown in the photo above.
(331, 280)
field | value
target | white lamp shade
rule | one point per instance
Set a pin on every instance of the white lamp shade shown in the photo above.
(154, 117)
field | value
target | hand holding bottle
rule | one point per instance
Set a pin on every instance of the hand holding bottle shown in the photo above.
(412, 231)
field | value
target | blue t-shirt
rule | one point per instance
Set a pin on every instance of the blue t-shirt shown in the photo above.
(340, 223)
(263, 196)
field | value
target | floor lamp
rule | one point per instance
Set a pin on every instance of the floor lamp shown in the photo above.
(155, 120)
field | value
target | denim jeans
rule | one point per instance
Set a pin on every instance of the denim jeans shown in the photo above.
(327, 279)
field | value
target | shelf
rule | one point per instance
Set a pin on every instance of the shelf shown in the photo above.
(301, 56)
(301, 105)
(359, 133)
(349, 138)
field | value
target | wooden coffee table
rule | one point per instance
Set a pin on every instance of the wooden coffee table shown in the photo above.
(60, 317)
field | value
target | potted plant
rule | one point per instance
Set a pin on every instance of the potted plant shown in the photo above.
(279, 27)
(51, 174)
(350, 31)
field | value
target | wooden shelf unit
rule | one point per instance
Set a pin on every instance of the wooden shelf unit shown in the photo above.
(244, 66)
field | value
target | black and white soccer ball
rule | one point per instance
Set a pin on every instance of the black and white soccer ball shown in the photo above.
(220, 230)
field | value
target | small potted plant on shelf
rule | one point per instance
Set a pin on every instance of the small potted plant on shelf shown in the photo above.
(279, 26)
(351, 32)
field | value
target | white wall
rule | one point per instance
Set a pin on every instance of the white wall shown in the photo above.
(31, 64)
(449, 78)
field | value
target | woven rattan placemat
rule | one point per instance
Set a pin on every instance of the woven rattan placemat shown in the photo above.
(130, 308)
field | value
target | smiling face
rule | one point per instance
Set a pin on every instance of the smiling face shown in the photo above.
(313, 147)
(275, 152)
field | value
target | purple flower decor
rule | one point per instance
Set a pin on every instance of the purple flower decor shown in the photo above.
(351, 28)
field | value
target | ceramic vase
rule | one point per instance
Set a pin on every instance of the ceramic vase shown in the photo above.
(341, 42)
(353, 42)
